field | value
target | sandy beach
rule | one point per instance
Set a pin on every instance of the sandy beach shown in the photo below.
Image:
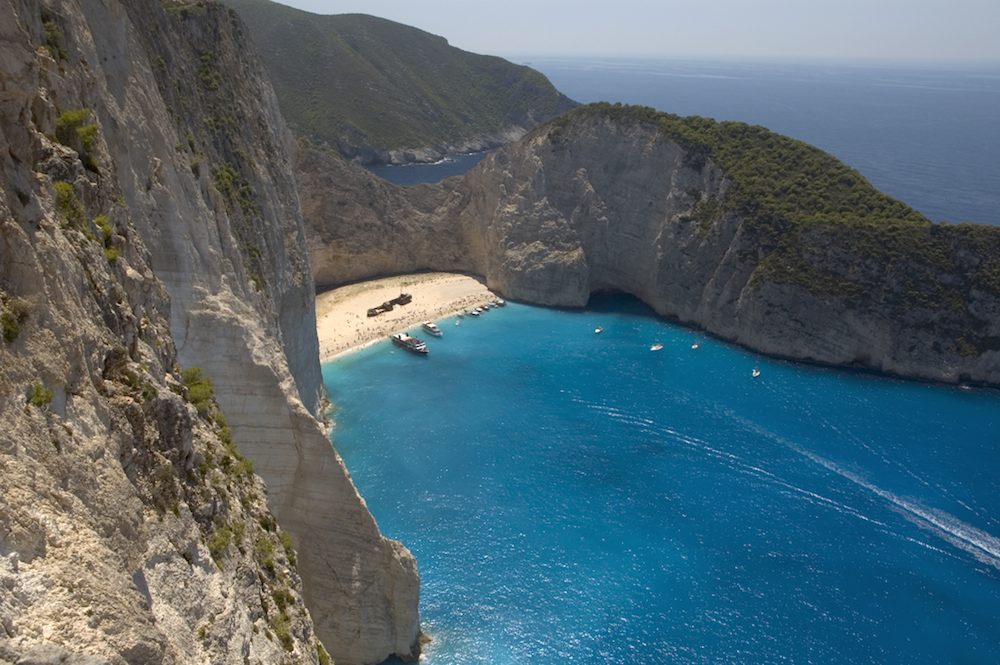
(342, 322)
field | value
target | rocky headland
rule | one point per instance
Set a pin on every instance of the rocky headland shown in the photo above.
(751, 236)
(159, 358)
(168, 492)
(379, 92)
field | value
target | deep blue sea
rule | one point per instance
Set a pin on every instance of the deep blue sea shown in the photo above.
(927, 134)
(578, 498)
(414, 174)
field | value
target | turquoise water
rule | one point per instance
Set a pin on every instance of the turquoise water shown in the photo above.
(574, 497)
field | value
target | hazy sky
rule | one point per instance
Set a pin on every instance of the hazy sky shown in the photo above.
(895, 29)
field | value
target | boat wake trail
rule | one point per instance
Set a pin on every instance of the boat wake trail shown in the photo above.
(735, 462)
(980, 544)
(983, 546)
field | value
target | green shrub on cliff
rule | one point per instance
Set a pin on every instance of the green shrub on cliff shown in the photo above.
(13, 314)
(286, 544)
(69, 207)
(201, 392)
(73, 130)
(53, 37)
(39, 396)
(218, 543)
(234, 189)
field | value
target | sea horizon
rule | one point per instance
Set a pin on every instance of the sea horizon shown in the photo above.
(926, 136)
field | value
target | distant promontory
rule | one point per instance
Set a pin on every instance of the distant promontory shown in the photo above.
(377, 91)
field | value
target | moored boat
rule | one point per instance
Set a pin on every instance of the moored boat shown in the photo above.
(432, 328)
(410, 343)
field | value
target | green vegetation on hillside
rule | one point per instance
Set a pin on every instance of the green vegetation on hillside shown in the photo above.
(39, 396)
(53, 37)
(73, 130)
(13, 313)
(775, 176)
(357, 80)
(819, 222)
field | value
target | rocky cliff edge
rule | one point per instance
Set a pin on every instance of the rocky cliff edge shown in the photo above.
(158, 351)
(754, 237)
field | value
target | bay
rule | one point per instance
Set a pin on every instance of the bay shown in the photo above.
(574, 497)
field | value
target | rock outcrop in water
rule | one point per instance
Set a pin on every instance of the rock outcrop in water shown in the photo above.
(149, 223)
(754, 237)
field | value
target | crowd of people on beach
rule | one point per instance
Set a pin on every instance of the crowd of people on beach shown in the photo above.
(354, 329)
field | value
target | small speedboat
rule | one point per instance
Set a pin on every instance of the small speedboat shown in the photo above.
(432, 328)
(500, 302)
(656, 347)
(755, 373)
(598, 330)
(695, 345)
(474, 312)
(457, 322)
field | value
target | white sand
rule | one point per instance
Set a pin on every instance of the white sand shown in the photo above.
(342, 322)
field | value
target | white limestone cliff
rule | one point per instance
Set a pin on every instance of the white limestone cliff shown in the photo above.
(188, 161)
(606, 201)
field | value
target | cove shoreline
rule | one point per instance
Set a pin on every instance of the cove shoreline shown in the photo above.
(342, 323)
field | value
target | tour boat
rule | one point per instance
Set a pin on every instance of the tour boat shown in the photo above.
(432, 328)
(409, 343)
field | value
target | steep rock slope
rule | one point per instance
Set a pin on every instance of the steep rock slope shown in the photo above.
(380, 91)
(149, 205)
(757, 238)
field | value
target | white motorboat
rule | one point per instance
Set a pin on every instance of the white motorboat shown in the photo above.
(412, 344)
(656, 347)
(432, 328)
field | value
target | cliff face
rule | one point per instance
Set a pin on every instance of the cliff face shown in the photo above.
(613, 199)
(150, 222)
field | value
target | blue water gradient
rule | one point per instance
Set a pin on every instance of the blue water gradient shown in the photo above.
(573, 497)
